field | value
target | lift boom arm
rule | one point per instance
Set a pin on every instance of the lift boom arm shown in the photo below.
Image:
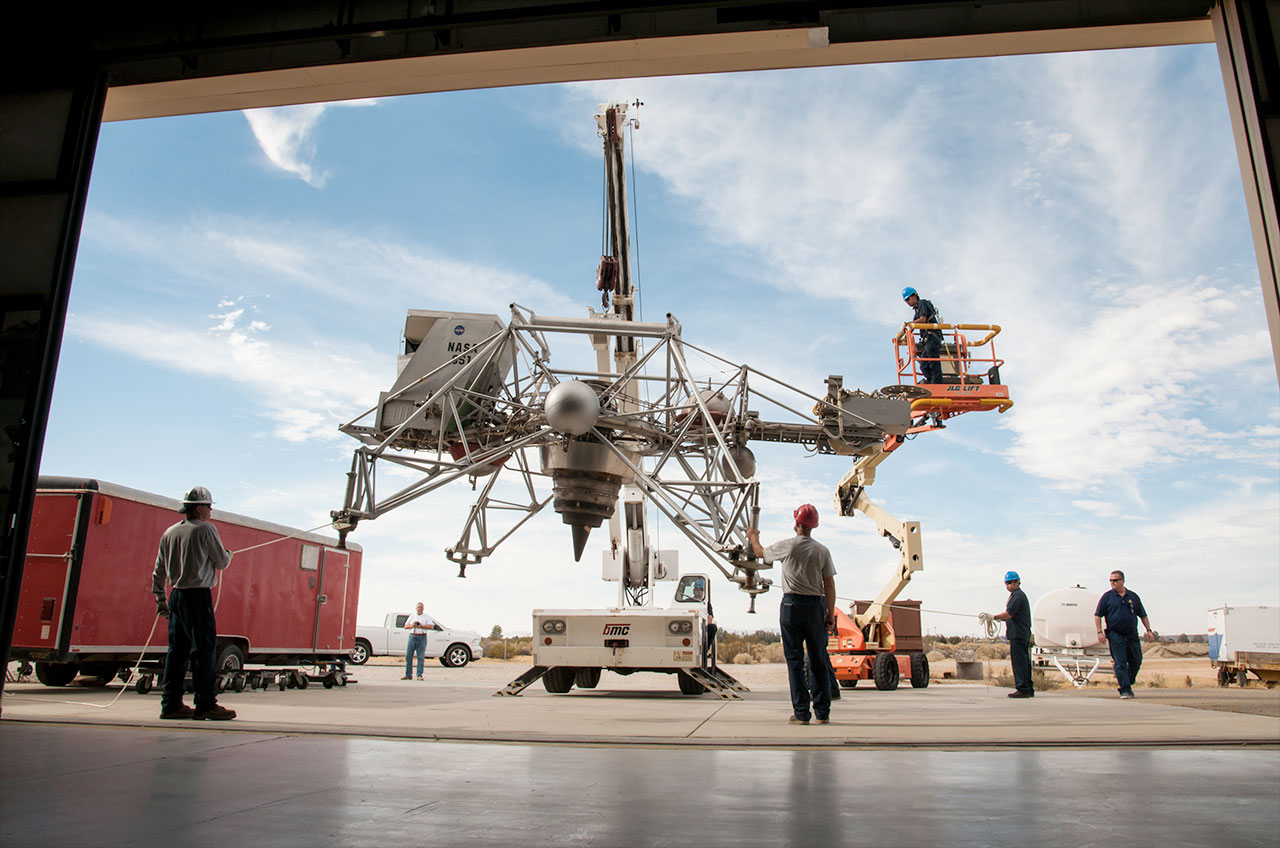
(851, 497)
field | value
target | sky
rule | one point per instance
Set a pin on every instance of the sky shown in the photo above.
(243, 278)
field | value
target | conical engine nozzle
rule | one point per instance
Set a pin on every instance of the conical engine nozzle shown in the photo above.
(580, 534)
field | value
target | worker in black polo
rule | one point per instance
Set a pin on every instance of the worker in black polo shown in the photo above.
(1017, 619)
(1122, 608)
(929, 344)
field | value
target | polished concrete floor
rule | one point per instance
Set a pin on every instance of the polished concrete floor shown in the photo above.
(195, 785)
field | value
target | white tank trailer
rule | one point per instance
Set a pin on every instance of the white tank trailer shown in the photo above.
(1065, 635)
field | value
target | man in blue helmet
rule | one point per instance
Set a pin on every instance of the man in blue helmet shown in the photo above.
(929, 344)
(1017, 619)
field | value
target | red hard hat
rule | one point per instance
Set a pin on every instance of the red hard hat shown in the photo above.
(807, 515)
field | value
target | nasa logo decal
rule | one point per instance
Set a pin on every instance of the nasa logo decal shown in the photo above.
(459, 330)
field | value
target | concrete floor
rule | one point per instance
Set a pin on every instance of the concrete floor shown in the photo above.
(442, 762)
(196, 786)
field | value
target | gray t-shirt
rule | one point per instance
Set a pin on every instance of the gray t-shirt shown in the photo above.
(805, 562)
(191, 555)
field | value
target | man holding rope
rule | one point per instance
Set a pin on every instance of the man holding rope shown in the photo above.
(191, 555)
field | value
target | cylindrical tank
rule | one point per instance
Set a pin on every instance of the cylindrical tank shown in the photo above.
(1064, 619)
(585, 479)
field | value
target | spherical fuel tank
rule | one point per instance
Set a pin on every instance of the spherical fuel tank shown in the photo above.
(572, 408)
(1064, 619)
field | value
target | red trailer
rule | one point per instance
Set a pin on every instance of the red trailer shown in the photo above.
(85, 606)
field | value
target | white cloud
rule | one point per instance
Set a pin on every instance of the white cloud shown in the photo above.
(306, 390)
(285, 134)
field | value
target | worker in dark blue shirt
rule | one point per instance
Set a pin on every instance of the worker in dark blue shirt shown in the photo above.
(1017, 619)
(929, 344)
(1122, 609)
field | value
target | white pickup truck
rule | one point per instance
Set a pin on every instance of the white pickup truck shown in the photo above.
(454, 648)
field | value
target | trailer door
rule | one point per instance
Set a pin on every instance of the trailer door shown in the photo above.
(331, 600)
(49, 577)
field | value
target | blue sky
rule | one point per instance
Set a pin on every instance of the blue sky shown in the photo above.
(243, 278)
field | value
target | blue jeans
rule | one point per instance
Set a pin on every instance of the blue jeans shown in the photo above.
(193, 639)
(1126, 657)
(803, 622)
(417, 645)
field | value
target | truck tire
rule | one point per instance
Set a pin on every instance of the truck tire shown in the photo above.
(689, 686)
(55, 674)
(847, 684)
(1224, 677)
(456, 656)
(1242, 677)
(230, 658)
(558, 680)
(587, 678)
(361, 651)
(884, 671)
(101, 674)
(919, 671)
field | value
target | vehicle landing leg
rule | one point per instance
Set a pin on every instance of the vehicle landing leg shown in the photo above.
(518, 685)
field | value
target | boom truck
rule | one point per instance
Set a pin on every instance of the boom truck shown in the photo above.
(477, 397)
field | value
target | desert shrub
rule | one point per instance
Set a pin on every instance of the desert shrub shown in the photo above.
(743, 658)
(1002, 678)
(993, 652)
(1043, 681)
(771, 653)
(1187, 682)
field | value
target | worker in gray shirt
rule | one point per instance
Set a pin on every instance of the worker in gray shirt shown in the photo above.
(808, 611)
(190, 557)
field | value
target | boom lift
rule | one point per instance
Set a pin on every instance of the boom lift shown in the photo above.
(863, 645)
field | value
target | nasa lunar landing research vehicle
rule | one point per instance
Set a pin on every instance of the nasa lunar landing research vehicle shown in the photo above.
(479, 398)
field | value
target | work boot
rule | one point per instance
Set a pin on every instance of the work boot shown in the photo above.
(215, 713)
(795, 719)
(1019, 694)
(406, 677)
(180, 711)
(823, 721)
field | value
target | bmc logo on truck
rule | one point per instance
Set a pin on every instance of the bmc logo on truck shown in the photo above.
(617, 629)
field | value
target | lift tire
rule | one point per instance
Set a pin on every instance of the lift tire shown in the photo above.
(456, 656)
(558, 680)
(919, 671)
(689, 686)
(143, 684)
(884, 671)
(360, 653)
(230, 658)
(586, 678)
(848, 684)
(55, 674)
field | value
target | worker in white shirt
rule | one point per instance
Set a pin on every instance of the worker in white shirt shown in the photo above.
(417, 625)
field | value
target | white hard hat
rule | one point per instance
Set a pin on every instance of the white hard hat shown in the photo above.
(198, 495)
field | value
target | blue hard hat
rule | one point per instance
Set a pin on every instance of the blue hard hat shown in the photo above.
(1011, 575)
(907, 292)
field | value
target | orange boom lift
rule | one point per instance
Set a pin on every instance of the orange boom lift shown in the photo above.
(865, 645)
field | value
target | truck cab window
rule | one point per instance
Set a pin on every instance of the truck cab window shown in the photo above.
(400, 620)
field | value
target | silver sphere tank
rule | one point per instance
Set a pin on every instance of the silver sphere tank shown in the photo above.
(572, 408)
